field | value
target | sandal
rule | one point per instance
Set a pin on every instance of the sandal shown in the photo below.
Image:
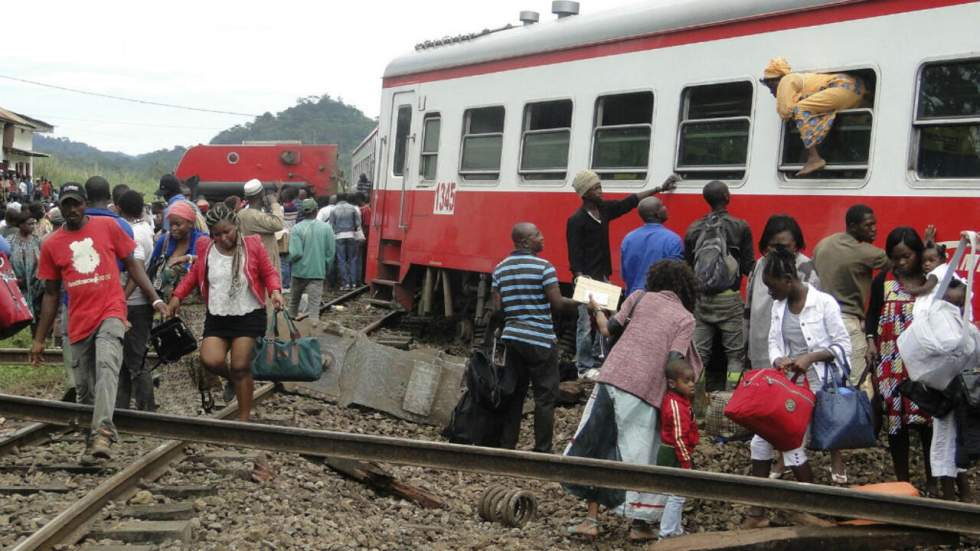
(588, 528)
(836, 478)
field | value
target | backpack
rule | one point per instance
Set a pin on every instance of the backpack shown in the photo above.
(714, 266)
(475, 419)
(968, 419)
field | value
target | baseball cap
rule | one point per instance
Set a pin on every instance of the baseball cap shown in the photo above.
(72, 190)
(168, 184)
(309, 205)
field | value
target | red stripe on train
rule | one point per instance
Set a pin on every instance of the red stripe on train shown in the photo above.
(721, 31)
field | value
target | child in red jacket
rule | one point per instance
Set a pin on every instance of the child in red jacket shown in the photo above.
(679, 435)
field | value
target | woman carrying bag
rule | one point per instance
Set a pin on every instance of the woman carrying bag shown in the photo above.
(233, 275)
(806, 326)
(173, 253)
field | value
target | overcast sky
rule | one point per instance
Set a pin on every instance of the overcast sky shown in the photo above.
(242, 56)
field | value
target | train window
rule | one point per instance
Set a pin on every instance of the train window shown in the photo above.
(621, 138)
(401, 139)
(430, 146)
(544, 140)
(714, 131)
(847, 148)
(483, 136)
(947, 120)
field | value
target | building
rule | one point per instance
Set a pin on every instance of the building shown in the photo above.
(17, 153)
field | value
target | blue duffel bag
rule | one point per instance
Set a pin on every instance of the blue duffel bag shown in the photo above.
(842, 414)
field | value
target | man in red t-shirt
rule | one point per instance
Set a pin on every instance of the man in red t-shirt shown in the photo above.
(82, 256)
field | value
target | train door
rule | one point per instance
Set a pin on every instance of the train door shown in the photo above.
(400, 175)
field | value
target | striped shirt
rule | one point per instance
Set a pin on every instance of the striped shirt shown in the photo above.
(521, 279)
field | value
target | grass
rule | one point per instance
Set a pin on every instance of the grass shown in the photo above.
(24, 379)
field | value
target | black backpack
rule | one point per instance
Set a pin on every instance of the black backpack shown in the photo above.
(476, 419)
(715, 268)
(968, 418)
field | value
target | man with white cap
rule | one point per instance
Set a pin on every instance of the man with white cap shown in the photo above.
(587, 234)
(263, 217)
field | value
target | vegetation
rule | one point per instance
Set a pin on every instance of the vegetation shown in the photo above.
(26, 379)
(312, 120)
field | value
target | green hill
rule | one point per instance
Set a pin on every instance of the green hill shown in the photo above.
(312, 120)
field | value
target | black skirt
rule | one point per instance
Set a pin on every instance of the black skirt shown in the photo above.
(252, 324)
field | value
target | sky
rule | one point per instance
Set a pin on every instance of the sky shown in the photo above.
(242, 56)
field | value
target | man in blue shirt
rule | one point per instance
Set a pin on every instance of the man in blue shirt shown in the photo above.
(648, 244)
(525, 293)
(171, 192)
(99, 196)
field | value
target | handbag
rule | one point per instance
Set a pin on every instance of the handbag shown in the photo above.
(172, 340)
(841, 414)
(770, 405)
(15, 313)
(932, 402)
(298, 359)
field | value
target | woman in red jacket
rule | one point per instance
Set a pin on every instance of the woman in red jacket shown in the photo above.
(233, 275)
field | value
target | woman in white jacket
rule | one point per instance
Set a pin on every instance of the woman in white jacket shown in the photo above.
(806, 337)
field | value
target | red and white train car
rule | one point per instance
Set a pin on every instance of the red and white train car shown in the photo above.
(479, 134)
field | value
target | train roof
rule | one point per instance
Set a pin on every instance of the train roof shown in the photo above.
(633, 21)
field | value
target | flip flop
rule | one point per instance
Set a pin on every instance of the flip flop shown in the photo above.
(576, 530)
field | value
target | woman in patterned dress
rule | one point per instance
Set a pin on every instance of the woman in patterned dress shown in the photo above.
(889, 314)
(812, 100)
(25, 252)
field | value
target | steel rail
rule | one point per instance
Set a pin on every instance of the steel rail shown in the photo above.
(376, 324)
(27, 436)
(150, 466)
(917, 512)
(342, 298)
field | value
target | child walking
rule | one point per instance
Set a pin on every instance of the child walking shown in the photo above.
(679, 434)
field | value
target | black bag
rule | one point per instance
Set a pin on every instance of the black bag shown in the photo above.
(932, 402)
(597, 439)
(172, 340)
(476, 420)
(714, 266)
(968, 418)
(613, 339)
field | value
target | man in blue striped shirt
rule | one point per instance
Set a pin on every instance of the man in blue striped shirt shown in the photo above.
(525, 293)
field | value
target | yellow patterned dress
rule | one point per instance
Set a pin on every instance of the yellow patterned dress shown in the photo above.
(813, 100)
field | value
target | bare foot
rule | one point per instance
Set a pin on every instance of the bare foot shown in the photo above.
(751, 522)
(641, 531)
(811, 167)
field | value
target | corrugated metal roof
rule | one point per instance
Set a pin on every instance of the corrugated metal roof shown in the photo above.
(632, 21)
(10, 116)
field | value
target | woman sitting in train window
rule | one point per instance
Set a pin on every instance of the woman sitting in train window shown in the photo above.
(812, 100)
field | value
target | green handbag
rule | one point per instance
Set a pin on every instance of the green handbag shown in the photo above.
(298, 359)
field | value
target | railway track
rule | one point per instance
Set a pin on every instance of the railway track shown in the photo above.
(914, 512)
(71, 523)
(52, 356)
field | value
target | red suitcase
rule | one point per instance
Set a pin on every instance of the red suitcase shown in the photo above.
(772, 406)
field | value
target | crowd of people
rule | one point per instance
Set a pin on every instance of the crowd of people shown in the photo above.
(837, 314)
(95, 263)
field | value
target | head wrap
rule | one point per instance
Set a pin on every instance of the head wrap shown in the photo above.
(182, 209)
(584, 181)
(777, 67)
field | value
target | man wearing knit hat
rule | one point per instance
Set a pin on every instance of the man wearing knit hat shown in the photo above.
(587, 234)
(263, 217)
(311, 251)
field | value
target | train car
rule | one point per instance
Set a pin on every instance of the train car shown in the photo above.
(362, 159)
(222, 170)
(482, 131)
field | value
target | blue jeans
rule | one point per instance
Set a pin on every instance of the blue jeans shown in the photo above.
(588, 349)
(286, 271)
(670, 522)
(348, 260)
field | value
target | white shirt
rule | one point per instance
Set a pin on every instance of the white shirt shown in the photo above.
(221, 302)
(822, 326)
(143, 236)
(323, 214)
(923, 302)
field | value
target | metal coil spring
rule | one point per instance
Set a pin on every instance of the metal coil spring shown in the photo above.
(508, 506)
